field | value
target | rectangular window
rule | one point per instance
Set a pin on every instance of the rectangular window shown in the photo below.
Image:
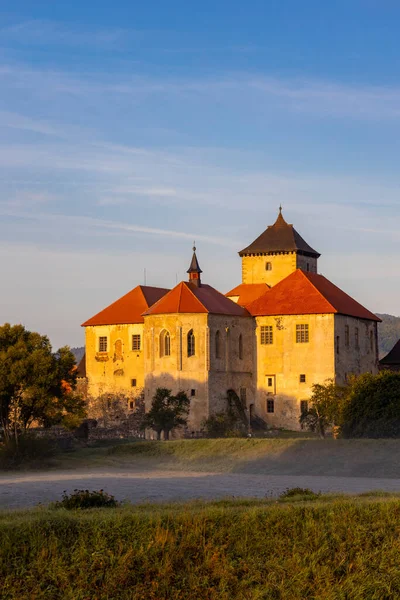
(337, 344)
(270, 406)
(192, 392)
(302, 334)
(267, 336)
(243, 396)
(371, 340)
(103, 343)
(131, 405)
(302, 378)
(357, 338)
(268, 266)
(347, 336)
(303, 406)
(133, 382)
(136, 342)
(269, 381)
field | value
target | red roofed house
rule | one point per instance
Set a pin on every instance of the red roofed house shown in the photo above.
(269, 339)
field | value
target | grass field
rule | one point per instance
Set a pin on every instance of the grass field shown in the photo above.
(368, 458)
(332, 548)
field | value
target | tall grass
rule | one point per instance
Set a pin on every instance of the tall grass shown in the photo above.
(225, 551)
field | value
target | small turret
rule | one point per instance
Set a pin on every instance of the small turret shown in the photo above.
(194, 270)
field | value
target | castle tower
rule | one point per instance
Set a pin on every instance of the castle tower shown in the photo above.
(194, 270)
(276, 253)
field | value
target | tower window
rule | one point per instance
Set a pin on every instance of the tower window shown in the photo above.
(133, 382)
(131, 405)
(191, 343)
(136, 342)
(357, 338)
(217, 345)
(302, 334)
(103, 343)
(165, 343)
(192, 392)
(268, 266)
(267, 336)
(347, 336)
(269, 381)
(302, 378)
(337, 344)
(308, 266)
(270, 406)
(240, 346)
(371, 340)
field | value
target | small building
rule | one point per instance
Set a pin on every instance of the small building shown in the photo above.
(391, 362)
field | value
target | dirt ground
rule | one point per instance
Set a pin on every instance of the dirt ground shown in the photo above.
(30, 489)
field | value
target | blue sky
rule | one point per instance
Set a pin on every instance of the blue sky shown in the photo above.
(129, 129)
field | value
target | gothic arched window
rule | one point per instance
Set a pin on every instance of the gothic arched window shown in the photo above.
(191, 343)
(240, 346)
(165, 343)
(217, 345)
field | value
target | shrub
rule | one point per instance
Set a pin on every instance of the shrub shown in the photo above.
(372, 409)
(25, 450)
(299, 493)
(82, 499)
(222, 425)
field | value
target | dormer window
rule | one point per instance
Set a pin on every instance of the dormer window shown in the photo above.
(268, 266)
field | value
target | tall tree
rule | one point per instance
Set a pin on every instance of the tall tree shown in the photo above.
(167, 412)
(326, 403)
(36, 385)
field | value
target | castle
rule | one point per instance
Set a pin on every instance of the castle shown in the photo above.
(284, 328)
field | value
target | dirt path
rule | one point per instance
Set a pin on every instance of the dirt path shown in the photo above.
(23, 490)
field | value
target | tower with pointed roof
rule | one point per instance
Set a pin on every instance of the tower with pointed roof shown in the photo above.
(277, 253)
(194, 270)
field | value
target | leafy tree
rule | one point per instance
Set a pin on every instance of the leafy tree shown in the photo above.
(325, 408)
(167, 412)
(372, 408)
(36, 385)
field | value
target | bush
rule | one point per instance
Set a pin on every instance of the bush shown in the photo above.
(372, 409)
(299, 493)
(222, 425)
(26, 450)
(82, 499)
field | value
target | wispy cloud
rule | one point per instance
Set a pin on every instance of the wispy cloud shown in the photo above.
(44, 33)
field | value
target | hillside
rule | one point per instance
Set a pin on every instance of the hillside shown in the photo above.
(78, 353)
(388, 333)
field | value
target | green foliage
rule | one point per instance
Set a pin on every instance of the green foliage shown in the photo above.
(167, 412)
(325, 409)
(223, 424)
(83, 499)
(26, 450)
(299, 493)
(221, 551)
(36, 385)
(372, 408)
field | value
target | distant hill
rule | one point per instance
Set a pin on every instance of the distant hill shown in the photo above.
(388, 333)
(78, 353)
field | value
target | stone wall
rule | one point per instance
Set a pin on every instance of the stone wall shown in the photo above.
(254, 268)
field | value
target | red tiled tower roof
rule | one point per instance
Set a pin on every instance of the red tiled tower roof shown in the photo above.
(307, 293)
(129, 308)
(187, 297)
(279, 237)
(248, 292)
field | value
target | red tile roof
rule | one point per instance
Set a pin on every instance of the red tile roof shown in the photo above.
(248, 292)
(129, 308)
(279, 237)
(307, 293)
(188, 298)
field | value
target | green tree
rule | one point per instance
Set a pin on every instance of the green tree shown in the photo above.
(36, 385)
(167, 412)
(325, 409)
(372, 408)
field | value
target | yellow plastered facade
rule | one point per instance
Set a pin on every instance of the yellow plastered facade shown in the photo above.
(272, 268)
(120, 368)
